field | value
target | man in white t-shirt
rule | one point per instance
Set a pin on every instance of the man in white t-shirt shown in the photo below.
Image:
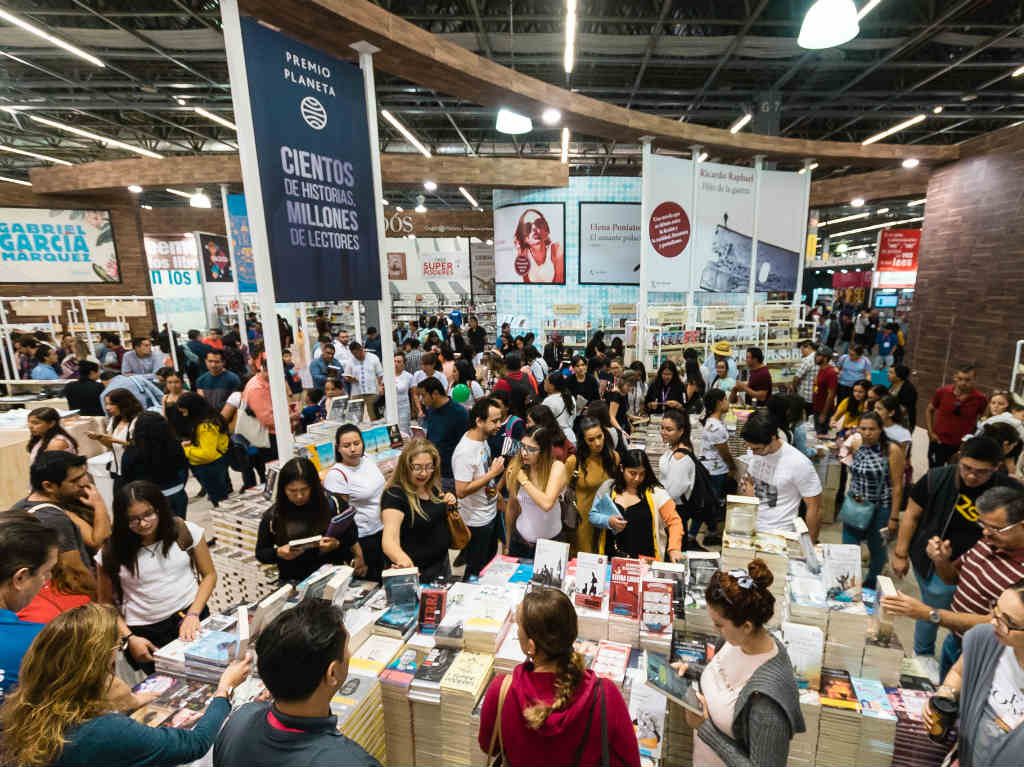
(477, 477)
(780, 476)
(364, 375)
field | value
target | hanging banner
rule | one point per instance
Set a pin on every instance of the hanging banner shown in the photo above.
(668, 187)
(898, 251)
(781, 218)
(44, 245)
(435, 265)
(609, 243)
(312, 141)
(529, 244)
(725, 226)
(481, 268)
(216, 261)
(175, 280)
(241, 243)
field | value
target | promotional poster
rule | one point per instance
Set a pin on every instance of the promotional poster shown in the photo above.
(175, 279)
(609, 243)
(216, 259)
(529, 244)
(43, 245)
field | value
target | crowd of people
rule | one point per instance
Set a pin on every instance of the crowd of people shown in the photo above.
(520, 441)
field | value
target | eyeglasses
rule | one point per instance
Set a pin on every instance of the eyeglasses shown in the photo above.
(993, 530)
(1001, 620)
(531, 449)
(970, 471)
(421, 468)
(149, 516)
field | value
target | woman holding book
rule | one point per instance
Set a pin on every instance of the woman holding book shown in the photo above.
(536, 481)
(593, 466)
(749, 698)
(157, 569)
(307, 526)
(551, 709)
(66, 708)
(645, 522)
(414, 512)
(357, 480)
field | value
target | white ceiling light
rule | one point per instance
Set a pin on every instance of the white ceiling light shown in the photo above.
(868, 7)
(915, 203)
(37, 155)
(937, 109)
(550, 116)
(886, 225)
(430, 186)
(135, 189)
(385, 203)
(1018, 72)
(405, 132)
(400, 209)
(702, 157)
(894, 129)
(512, 123)
(565, 146)
(33, 29)
(17, 181)
(216, 118)
(146, 207)
(737, 126)
(200, 200)
(469, 198)
(880, 211)
(490, 242)
(828, 23)
(911, 162)
(94, 136)
(421, 208)
(569, 58)
(843, 219)
(857, 202)
(809, 166)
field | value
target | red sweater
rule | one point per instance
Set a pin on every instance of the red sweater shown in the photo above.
(556, 742)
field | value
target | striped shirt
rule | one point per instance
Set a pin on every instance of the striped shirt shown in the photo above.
(985, 573)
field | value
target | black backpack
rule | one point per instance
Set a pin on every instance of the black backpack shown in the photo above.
(703, 503)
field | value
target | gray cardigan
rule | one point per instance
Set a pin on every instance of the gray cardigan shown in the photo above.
(767, 716)
(981, 656)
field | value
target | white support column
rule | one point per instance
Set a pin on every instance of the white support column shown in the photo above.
(234, 266)
(88, 327)
(170, 343)
(758, 163)
(802, 260)
(357, 322)
(695, 150)
(645, 252)
(232, 28)
(386, 328)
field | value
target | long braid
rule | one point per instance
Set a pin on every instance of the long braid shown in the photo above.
(570, 674)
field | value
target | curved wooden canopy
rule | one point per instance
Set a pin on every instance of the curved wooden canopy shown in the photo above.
(421, 57)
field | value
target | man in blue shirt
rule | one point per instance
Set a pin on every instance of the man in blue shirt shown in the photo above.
(852, 367)
(142, 360)
(217, 384)
(28, 552)
(446, 423)
(320, 369)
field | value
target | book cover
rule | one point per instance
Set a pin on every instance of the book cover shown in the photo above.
(591, 580)
(805, 646)
(676, 573)
(212, 647)
(358, 593)
(468, 673)
(647, 708)
(656, 616)
(624, 595)
(270, 488)
(841, 568)
(662, 677)
(153, 715)
(874, 702)
(432, 605)
(611, 661)
(436, 664)
(700, 568)
(837, 689)
(402, 585)
(741, 515)
(400, 619)
(157, 683)
(549, 563)
(305, 544)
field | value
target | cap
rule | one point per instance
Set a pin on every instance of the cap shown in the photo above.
(824, 351)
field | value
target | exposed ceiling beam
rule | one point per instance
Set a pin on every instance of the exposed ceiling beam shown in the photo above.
(652, 42)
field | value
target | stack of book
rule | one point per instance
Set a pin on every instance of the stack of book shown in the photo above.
(461, 688)
(359, 621)
(878, 733)
(808, 597)
(359, 707)
(611, 661)
(885, 626)
(591, 623)
(803, 748)
(425, 695)
(477, 758)
(269, 608)
(458, 608)
(741, 515)
(374, 656)
(314, 586)
(841, 569)
(240, 576)
(677, 573)
(337, 587)
(883, 658)
(647, 709)
(402, 587)
(912, 746)
(655, 445)
(847, 632)
(805, 646)
(624, 600)
(839, 728)
(510, 654)
(208, 656)
(394, 688)
(492, 610)
(656, 619)
(701, 566)
(772, 549)
(550, 562)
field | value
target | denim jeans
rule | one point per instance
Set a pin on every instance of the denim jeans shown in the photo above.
(952, 648)
(876, 546)
(213, 477)
(938, 594)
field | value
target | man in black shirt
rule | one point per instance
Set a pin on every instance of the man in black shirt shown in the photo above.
(476, 335)
(303, 663)
(554, 351)
(942, 506)
(445, 423)
(83, 395)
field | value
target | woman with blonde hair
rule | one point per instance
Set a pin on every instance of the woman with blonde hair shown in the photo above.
(536, 481)
(63, 711)
(551, 709)
(414, 512)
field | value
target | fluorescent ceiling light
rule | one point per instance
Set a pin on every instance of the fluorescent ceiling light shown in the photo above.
(146, 207)
(405, 132)
(911, 162)
(17, 181)
(915, 203)
(37, 155)
(886, 225)
(215, 118)
(135, 189)
(112, 142)
(512, 123)
(430, 186)
(179, 193)
(809, 166)
(490, 242)
(400, 209)
(550, 116)
(844, 219)
(384, 203)
(867, 8)
(828, 23)
(469, 198)
(565, 146)
(880, 211)
(857, 202)
(200, 200)
(569, 58)
(421, 208)
(937, 109)
(737, 126)
(702, 157)
(33, 29)
(894, 129)
(1018, 72)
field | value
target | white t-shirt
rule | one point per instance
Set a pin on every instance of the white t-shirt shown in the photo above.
(676, 474)
(366, 373)
(162, 585)
(470, 461)
(1006, 698)
(363, 485)
(715, 433)
(562, 414)
(781, 480)
(898, 434)
(420, 375)
(234, 399)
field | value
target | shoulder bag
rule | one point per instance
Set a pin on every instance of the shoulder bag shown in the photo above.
(857, 514)
(495, 759)
(458, 531)
(250, 427)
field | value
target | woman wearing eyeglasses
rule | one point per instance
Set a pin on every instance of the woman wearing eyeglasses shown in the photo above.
(536, 481)
(413, 510)
(748, 691)
(157, 568)
(987, 680)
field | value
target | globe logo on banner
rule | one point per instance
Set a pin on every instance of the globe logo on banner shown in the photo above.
(669, 229)
(313, 113)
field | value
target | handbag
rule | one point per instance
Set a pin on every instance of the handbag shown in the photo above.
(495, 759)
(857, 514)
(457, 529)
(570, 512)
(250, 427)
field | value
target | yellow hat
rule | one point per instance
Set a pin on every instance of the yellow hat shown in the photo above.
(722, 349)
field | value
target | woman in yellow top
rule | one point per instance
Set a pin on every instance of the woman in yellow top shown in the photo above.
(848, 414)
(206, 445)
(594, 464)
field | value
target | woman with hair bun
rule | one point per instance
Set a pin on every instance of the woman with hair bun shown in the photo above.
(550, 707)
(750, 699)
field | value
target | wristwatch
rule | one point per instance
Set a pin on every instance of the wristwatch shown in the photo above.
(124, 641)
(933, 616)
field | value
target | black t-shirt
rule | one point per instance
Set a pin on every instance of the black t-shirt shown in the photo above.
(588, 388)
(84, 396)
(622, 416)
(69, 537)
(637, 538)
(308, 561)
(426, 541)
(477, 338)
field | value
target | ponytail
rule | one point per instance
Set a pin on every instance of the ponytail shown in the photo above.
(571, 670)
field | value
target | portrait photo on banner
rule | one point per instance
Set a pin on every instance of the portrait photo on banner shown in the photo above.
(529, 244)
